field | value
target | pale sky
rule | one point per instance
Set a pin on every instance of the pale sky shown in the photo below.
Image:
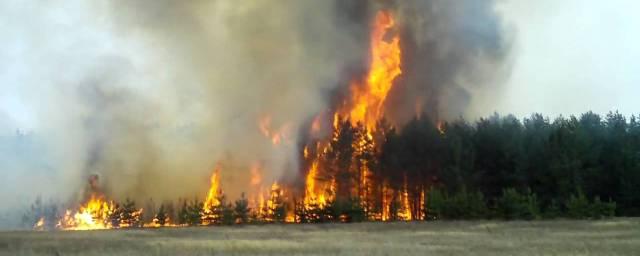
(572, 56)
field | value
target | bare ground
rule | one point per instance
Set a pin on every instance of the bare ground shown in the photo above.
(564, 237)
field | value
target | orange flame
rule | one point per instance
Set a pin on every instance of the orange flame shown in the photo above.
(214, 191)
(365, 107)
(92, 215)
(256, 177)
(368, 99)
(276, 136)
(39, 225)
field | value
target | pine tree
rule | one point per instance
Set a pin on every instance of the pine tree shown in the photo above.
(194, 213)
(228, 217)
(161, 218)
(183, 215)
(241, 210)
(130, 215)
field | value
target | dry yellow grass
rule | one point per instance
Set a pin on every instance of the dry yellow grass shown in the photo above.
(608, 237)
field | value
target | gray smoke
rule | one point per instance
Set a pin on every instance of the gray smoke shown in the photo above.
(152, 95)
(452, 50)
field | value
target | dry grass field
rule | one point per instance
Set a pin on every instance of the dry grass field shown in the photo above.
(608, 237)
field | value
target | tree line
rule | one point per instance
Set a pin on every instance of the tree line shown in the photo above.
(562, 167)
(585, 166)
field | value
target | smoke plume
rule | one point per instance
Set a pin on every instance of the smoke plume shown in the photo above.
(153, 95)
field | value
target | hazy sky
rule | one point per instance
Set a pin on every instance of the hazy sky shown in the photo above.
(571, 56)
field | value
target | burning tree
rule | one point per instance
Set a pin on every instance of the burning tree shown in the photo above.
(356, 165)
(162, 217)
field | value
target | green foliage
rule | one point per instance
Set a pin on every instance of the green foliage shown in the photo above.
(436, 205)
(601, 209)
(597, 155)
(228, 217)
(241, 210)
(552, 211)
(193, 212)
(579, 207)
(183, 215)
(513, 205)
(462, 205)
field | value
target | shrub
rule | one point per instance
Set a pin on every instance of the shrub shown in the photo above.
(513, 205)
(228, 217)
(241, 210)
(462, 205)
(578, 206)
(194, 213)
(552, 211)
(348, 210)
(601, 209)
(436, 203)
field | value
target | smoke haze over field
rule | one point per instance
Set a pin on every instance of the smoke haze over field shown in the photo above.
(152, 95)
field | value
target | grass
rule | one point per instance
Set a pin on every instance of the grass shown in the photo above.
(562, 237)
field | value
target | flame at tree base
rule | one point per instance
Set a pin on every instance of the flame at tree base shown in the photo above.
(338, 186)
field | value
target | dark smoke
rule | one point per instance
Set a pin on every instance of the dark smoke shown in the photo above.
(451, 49)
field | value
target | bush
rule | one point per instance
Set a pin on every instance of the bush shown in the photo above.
(347, 210)
(462, 205)
(579, 207)
(436, 204)
(241, 210)
(194, 213)
(472, 205)
(513, 205)
(228, 217)
(601, 209)
(552, 211)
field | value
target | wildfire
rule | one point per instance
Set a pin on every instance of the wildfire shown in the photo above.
(277, 136)
(39, 224)
(316, 196)
(98, 213)
(256, 178)
(214, 191)
(368, 98)
(212, 200)
(363, 109)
